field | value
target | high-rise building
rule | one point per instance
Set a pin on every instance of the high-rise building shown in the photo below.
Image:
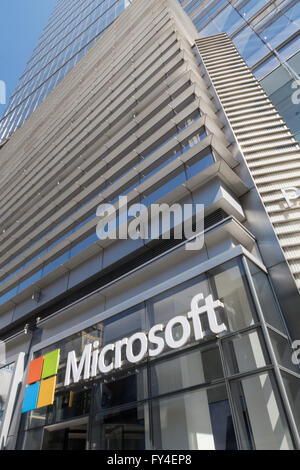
(71, 31)
(123, 331)
(267, 35)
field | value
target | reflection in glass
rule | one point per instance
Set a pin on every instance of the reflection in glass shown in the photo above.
(122, 430)
(186, 370)
(232, 289)
(264, 413)
(281, 28)
(228, 20)
(283, 351)
(31, 440)
(292, 386)
(245, 352)
(6, 374)
(176, 301)
(198, 420)
(122, 391)
(266, 298)
(250, 46)
(70, 404)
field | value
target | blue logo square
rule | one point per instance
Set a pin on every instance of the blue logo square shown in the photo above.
(31, 397)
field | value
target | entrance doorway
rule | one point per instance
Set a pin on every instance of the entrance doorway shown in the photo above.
(71, 435)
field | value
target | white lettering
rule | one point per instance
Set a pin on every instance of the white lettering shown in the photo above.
(156, 340)
(175, 343)
(177, 334)
(290, 194)
(85, 363)
(118, 352)
(103, 367)
(296, 353)
(142, 338)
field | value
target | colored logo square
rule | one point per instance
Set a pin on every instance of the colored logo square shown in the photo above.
(31, 397)
(50, 366)
(35, 370)
(47, 390)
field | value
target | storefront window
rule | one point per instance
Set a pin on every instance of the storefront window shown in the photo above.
(184, 398)
(257, 402)
(176, 301)
(230, 287)
(199, 420)
(266, 298)
(125, 430)
(126, 389)
(245, 352)
(186, 370)
(31, 440)
(70, 404)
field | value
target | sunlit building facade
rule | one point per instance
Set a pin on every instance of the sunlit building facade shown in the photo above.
(267, 35)
(71, 31)
(131, 343)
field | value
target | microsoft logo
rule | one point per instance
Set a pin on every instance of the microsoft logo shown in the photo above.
(41, 381)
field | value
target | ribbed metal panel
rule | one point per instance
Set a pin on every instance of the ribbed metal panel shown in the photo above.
(135, 100)
(269, 148)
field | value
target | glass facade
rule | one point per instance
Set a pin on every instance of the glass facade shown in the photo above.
(267, 35)
(279, 85)
(220, 393)
(71, 31)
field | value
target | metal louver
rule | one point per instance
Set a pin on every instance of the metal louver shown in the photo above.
(269, 148)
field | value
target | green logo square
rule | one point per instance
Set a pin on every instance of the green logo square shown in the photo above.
(50, 366)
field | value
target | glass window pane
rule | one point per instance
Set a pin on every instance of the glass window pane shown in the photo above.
(176, 301)
(230, 284)
(289, 49)
(70, 404)
(257, 401)
(34, 419)
(250, 46)
(279, 31)
(245, 352)
(207, 11)
(283, 351)
(266, 298)
(31, 440)
(199, 420)
(250, 8)
(266, 67)
(124, 390)
(187, 370)
(228, 20)
(122, 430)
(292, 386)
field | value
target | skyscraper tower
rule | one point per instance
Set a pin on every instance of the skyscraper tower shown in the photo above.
(267, 35)
(72, 30)
(120, 336)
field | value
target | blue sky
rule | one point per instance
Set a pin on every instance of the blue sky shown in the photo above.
(21, 24)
